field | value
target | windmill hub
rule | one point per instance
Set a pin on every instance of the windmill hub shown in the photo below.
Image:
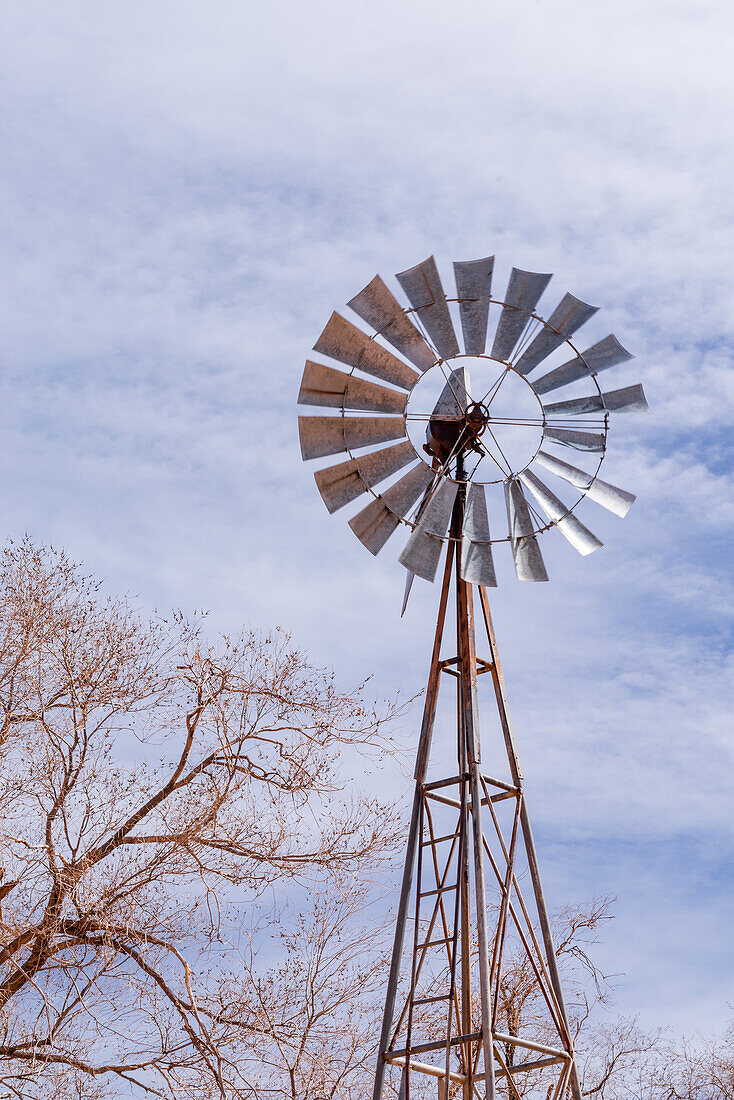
(476, 418)
(480, 409)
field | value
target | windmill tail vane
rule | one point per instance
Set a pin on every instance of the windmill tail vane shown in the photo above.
(457, 441)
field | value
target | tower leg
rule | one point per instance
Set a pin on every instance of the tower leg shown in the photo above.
(424, 745)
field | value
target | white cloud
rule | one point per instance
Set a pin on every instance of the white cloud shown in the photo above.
(191, 190)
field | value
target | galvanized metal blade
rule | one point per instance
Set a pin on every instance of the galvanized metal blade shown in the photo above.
(378, 307)
(628, 399)
(608, 496)
(529, 564)
(422, 284)
(409, 578)
(580, 441)
(473, 289)
(423, 548)
(332, 388)
(347, 343)
(346, 481)
(571, 528)
(607, 353)
(455, 396)
(375, 523)
(328, 435)
(476, 563)
(566, 318)
(523, 291)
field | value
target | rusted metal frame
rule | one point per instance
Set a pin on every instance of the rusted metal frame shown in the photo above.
(434, 676)
(463, 879)
(405, 1083)
(530, 1044)
(541, 1063)
(464, 756)
(506, 724)
(438, 840)
(424, 743)
(431, 924)
(424, 1048)
(566, 1072)
(453, 1001)
(496, 969)
(424, 1067)
(543, 980)
(498, 783)
(556, 1013)
(441, 881)
(445, 800)
(504, 1070)
(397, 951)
(485, 988)
(441, 878)
(453, 781)
(469, 722)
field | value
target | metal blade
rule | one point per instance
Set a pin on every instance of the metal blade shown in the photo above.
(375, 523)
(409, 578)
(378, 307)
(608, 496)
(332, 388)
(523, 291)
(422, 284)
(580, 441)
(607, 353)
(473, 288)
(455, 396)
(628, 399)
(347, 343)
(423, 548)
(572, 529)
(565, 319)
(346, 481)
(529, 564)
(477, 565)
(328, 435)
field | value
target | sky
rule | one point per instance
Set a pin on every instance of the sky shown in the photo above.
(189, 190)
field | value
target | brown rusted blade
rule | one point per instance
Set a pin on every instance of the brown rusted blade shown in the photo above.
(335, 389)
(423, 548)
(346, 481)
(521, 297)
(375, 523)
(378, 307)
(347, 343)
(328, 435)
(422, 284)
(473, 288)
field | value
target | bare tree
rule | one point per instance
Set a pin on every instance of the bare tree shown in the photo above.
(154, 786)
(320, 1003)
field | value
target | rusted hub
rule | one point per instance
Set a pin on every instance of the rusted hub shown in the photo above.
(445, 437)
(476, 418)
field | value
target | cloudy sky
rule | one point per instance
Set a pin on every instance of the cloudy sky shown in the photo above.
(189, 189)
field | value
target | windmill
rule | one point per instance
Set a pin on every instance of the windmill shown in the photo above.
(461, 444)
